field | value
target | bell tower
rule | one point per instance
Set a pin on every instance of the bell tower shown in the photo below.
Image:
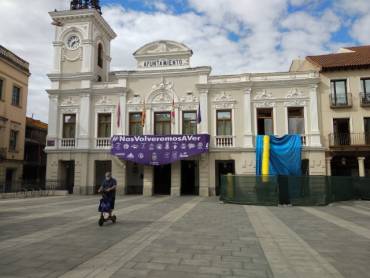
(81, 44)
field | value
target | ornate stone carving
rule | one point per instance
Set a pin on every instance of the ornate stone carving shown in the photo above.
(224, 101)
(189, 98)
(264, 104)
(104, 100)
(162, 93)
(224, 97)
(135, 100)
(295, 102)
(69, 101)
(263, 95)
(295, 93)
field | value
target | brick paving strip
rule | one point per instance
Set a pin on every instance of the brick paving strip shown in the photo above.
(35, 216)
(70, 226)
(357, 229)
(288, 254)
(356, 210)
(112, 259)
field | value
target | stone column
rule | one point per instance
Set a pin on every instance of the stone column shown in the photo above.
(248, 137)
(148, 128)
(314, 114)
(53, 120)
(175, 178)
(87, 65)
(84, 122)
(121, 130)
(148, 181)
(328, 165)
(203, 99)
(361, 166)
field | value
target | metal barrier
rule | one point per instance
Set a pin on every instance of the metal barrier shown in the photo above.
(24, 189)
(297, 191)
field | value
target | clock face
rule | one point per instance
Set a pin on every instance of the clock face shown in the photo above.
(73, 42)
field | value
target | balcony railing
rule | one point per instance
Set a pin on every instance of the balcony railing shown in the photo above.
(341, 101)
(349, 139)
(68, 143)
(226, 141)
(365, 99)
(102, 143)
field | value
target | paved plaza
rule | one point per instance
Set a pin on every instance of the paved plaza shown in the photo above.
(182, 237)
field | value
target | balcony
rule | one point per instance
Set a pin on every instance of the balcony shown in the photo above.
(102, 143)
(341, 101)
(224, 141)
(365, 99)
(67, 143)
(349, 139)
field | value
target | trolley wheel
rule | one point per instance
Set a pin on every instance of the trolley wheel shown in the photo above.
(101, 221)
(114, 219)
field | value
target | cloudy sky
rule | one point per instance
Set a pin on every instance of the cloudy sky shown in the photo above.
(232, 36)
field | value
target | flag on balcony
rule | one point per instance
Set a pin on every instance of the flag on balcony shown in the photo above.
(199, 116)
(143, 115)
(119, 115)
(278, 155)
(173, 110)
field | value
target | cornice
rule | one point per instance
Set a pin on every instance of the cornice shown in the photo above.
(91, 91)
(84, 13)
(166, 72)
(71, 76)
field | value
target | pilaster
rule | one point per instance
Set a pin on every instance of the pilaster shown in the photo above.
(203, 99)
(361, 166)
(175, 178)
(314, 114)
(84, 122)
(248, 137)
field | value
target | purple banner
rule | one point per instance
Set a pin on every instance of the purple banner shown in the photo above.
(158, 150)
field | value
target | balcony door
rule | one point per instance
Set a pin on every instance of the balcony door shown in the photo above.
(341, 131)
(339, 92)
(367, 130)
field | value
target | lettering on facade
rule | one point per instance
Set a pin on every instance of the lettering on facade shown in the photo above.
(163, 63)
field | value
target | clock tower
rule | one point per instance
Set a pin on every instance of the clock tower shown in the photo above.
(81, 45)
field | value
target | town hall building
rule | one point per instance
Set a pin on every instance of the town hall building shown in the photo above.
(164, 95)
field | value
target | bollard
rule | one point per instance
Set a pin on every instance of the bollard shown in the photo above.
(229, 186)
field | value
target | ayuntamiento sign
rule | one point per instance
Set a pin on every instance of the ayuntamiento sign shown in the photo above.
(158, 150)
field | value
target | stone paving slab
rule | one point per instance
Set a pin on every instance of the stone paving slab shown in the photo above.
(182, 237)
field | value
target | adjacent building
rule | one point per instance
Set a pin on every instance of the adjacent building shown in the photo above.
(14, 74)
(89, 104)
(344, 97)
(34, 165)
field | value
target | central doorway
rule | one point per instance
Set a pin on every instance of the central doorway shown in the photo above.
(134, 178)
(101, 167)
(162, 179)
(223, 167)
(67, 175)
(189, 177)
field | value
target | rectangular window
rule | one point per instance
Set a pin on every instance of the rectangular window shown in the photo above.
(224, 123)
(16, 96)
(1, 89)
(189, 122)
(367, 130)
(339, 92)
(162, 123)
(295, 120)
(69, 125)
(135, 124)
(13, 138)
(104, 125)
(265, 123)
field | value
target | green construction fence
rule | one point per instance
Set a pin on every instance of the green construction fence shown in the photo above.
(298, 191)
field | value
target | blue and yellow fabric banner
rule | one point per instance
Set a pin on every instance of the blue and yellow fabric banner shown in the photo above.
(278, 155)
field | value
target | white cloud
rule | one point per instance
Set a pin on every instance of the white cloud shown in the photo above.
(269, 37)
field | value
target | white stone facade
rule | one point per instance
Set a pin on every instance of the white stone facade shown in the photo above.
(164, 75)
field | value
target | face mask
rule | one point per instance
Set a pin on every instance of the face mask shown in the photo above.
(107, 178)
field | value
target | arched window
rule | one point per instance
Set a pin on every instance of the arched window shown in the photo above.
(100, 55)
